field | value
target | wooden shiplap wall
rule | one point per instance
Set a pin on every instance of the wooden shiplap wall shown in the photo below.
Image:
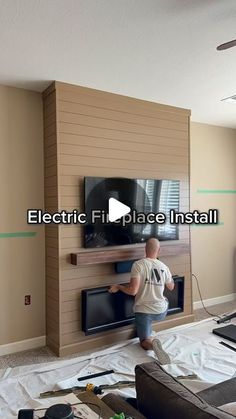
(103, 134)
(51, 197)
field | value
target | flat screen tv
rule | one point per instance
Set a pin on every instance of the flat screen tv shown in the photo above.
(103, 311)
(142, 195)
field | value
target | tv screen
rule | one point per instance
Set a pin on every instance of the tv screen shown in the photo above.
(103, 311)
(143, 195)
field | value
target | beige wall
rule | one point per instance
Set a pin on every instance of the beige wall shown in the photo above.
(21, 187)
(213, 166)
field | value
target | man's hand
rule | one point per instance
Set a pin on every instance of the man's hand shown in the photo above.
(130, 289)
(170, 285)
(113, 289)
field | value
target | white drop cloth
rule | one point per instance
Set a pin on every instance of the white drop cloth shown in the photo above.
(192, 348)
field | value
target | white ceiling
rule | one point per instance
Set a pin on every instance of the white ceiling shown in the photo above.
(158, 50)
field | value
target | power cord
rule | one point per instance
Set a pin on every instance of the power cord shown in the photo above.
(203, 305)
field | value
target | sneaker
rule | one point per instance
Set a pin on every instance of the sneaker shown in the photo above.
(162, 356)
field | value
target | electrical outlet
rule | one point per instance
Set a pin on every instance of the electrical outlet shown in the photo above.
(27, 300)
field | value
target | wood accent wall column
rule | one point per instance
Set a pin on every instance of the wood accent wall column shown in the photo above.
(51, 197)
(94, 133)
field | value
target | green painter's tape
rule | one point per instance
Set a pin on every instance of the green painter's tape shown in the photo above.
(207, 225)
(18, 234)
(218, 191)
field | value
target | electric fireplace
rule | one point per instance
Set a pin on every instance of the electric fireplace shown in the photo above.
(103, 311)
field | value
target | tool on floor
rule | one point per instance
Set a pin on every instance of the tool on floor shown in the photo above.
(226, 318)
(118, 416)
(187, 377)
(93, 388)
(88, 387)
(228, 346)
(99, 374)
(57, 411)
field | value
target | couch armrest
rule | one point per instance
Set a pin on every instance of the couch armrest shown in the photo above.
(221, 393)
(161, 396)
(118, 405)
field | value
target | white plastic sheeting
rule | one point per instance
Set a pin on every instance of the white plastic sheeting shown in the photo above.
(192, 348)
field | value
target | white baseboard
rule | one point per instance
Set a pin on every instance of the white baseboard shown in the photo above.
(214, 301)
(23, 345)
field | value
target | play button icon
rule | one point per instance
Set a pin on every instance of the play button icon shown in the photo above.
(116, 209)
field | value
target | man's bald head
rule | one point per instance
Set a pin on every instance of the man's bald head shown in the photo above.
(152, 248)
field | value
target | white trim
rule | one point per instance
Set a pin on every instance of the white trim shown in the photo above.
(214, 301)
(23, 345)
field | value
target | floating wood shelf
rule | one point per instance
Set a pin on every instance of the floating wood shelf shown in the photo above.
(91, 257)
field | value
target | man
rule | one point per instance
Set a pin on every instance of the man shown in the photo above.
(149, 277)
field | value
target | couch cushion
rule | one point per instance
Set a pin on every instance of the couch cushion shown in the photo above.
(221, 393)
(160, 396)
(229, 408)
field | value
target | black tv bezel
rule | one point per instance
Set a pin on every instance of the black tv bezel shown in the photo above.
(102, 328)
(131, 244)
(113, 325)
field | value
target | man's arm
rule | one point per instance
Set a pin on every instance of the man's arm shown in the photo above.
(169, 283)
(130, 289)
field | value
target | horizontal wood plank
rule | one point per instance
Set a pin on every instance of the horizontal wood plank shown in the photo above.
(110, 129)
(108, 100)
(134, 124)
(130, 155)
(105, 168)
(163, 118)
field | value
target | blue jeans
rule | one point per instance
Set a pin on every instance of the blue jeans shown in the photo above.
(143, 322)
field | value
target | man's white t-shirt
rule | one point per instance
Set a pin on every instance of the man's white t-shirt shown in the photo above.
(153, 276)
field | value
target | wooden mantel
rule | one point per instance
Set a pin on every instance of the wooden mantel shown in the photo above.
(91, 257)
